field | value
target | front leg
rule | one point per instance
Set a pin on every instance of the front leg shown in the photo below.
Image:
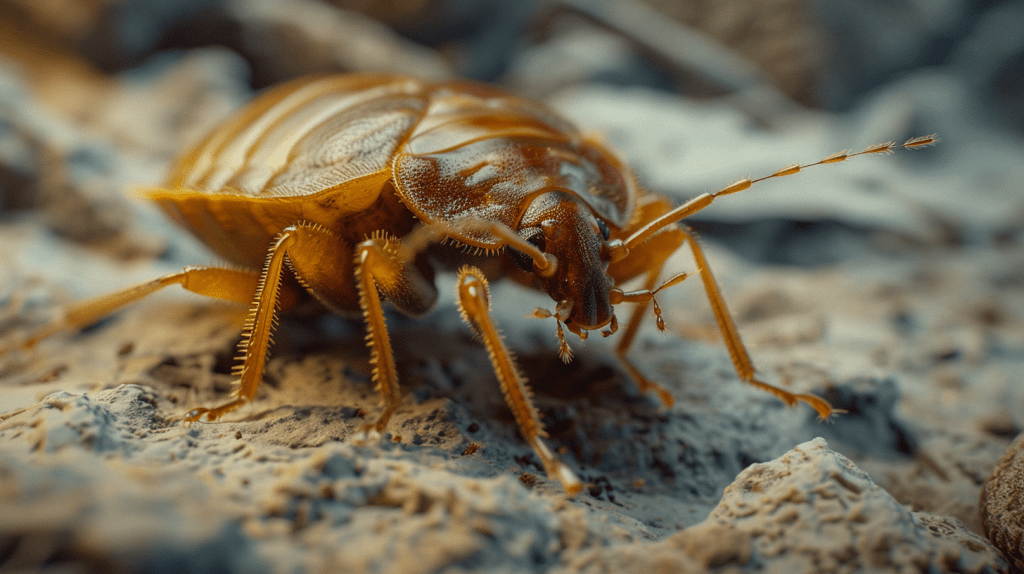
(474, 303)
(383, 268)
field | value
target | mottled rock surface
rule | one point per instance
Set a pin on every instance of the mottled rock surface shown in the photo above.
(1002, 504)
(810, 510)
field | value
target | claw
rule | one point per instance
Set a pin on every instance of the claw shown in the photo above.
(194, 416)
(206, 415)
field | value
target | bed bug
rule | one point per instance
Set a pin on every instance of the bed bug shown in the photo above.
(354, 188)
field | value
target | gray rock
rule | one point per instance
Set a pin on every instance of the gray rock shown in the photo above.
(810, 510)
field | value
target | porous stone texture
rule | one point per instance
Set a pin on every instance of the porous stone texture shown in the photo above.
(841, 520)
(1002, 504)
(810, 510)
(107, 478)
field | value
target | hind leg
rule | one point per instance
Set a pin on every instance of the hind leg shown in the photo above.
(301, 244)
(229, 284)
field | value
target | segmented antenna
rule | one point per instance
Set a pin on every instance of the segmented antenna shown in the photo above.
(620, 251)
(881, 149)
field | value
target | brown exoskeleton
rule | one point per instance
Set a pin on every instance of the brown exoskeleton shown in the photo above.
(345, 181)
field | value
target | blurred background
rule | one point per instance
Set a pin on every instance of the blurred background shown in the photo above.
(694, 94)
(823, 54)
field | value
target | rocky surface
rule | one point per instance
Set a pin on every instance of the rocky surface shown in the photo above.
(810, 510)
(1002, 499)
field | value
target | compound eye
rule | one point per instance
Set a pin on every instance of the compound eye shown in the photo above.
(605, 232)
(537, 240)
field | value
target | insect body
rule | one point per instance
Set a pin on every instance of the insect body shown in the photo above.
(339, 185)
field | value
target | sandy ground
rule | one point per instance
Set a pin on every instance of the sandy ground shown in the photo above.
(893, 287)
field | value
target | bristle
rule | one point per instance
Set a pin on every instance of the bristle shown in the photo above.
(921, 141)
(736, 186)
(836, 157)
(788, 170)
(882, 148)
(565, 353)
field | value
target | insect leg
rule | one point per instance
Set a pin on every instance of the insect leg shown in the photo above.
(385, 267)
(257, 332)
(474, 303)
(230, 284)
(422, 236)
(737, 351)
(647, 259)
(635, 319)
(322, 262)
(382, 269)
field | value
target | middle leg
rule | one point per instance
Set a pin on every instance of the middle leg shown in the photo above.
(385, 270)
